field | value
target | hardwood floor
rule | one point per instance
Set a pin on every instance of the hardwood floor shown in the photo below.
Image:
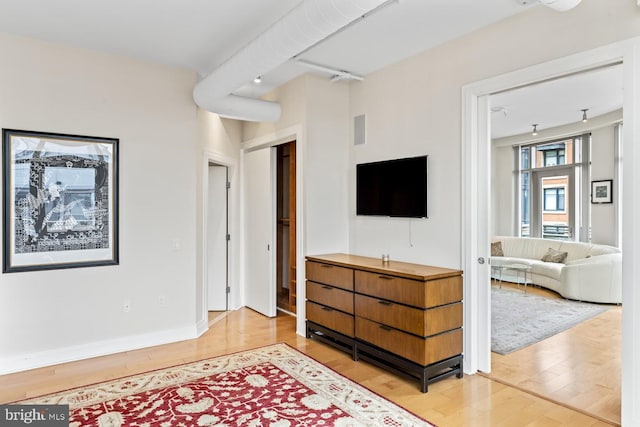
(215, 316)
(579, 368)
(474, 400)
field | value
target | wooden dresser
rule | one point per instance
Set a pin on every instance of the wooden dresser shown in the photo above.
(404, 317)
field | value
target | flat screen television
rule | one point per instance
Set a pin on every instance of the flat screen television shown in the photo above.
(395, 188)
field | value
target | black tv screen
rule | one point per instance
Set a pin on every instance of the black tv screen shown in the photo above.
(396, 188)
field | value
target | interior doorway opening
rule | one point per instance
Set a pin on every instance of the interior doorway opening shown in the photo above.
(550, 177)
(286, 285)
(217, 239)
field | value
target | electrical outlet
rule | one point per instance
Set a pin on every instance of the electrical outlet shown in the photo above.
(126, 307)
(162, 301)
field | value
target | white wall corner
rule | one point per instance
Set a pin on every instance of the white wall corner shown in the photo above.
(202, 326)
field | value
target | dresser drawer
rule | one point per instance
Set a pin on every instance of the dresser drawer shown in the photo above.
(330, 318)
(328, 274)
(330, 296)
(414, 320)
(416, 293)
(423, 351)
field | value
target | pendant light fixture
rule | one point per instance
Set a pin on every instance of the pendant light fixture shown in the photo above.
(560, 5)
(584, 115)
(535, 130)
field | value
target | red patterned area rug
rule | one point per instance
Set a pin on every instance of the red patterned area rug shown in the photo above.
(274, 386)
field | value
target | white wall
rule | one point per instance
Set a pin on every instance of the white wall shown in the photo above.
(503, 203)
(57, 315)
(603, 216)
(326, 167)
(315, 113)
(407, 108)
(219, 142)
(414, 107)
(320, 108)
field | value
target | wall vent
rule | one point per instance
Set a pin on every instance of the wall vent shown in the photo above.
(360, 130)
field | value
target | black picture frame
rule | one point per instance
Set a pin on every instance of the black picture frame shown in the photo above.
(60, 201)
(601, 191)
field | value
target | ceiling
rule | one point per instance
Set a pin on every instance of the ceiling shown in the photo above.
(556, 102)
(203, 34)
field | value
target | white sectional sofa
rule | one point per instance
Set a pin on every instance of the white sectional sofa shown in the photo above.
(590, 272)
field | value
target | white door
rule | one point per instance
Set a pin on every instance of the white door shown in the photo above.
(259, 225)
(217, 239)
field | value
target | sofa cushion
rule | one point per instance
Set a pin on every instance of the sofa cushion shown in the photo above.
(552, 270)
(602, 249)
(553, 255)
(496, 249)
(576, 250)
(531, 248)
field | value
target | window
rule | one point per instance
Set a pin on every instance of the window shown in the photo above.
(553, 157)
(525, 210)
(549, 188)
(554, 199)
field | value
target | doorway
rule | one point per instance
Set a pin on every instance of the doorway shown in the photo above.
(476, 193)
(549, 171)
(217, 240)
(286, 227)
(259, 164)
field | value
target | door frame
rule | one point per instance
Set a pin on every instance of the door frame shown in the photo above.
(233, 228)
(476, 145)
(292, 133)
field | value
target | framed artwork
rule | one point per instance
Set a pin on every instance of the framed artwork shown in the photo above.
(601, 191)
(60, 201)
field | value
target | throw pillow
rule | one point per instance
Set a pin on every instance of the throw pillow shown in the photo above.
(553, 255)
(496, 249)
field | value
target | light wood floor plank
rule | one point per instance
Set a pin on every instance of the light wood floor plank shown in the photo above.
(472, 401)
(580, 368)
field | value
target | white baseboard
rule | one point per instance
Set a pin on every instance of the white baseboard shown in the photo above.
(202, 327)
(101, 348)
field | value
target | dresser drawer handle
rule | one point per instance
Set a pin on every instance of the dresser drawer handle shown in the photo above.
(326, 309)
(387, 303)
(385, 328)
(327, 288)
(385, 277)
(326, 266)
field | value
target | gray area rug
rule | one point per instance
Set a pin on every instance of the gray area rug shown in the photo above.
(519, 319)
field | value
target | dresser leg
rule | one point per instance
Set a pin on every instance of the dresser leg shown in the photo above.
(460, 370)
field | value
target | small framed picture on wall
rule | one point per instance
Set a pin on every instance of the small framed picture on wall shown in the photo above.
(601, 191)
